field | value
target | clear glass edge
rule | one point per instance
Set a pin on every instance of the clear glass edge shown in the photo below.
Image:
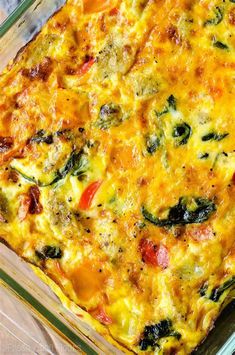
(66, 326)
(15, 16)
(17, 277)
(47, 315)
(38, 341)
(20, 292)
(229, 346)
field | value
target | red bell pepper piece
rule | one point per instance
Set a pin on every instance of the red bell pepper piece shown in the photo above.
(233, 178)
(100, 314)
(152, 254)
(88, 195)
(86, 66)
(114, 12)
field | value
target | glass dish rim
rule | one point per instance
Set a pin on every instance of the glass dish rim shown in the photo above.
(29, 299)
(15, 15)
(18, 278)
(19, 291)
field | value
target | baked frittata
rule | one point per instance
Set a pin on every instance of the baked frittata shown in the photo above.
(117, 155)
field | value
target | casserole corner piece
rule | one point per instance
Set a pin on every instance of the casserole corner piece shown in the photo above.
(117, 166)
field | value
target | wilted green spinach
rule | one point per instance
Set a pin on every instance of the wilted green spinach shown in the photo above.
(213, 136)
(218, 291)
(49, 252)
(42, 137)
(220, 45)
(76, 165)
(186, 211)
(152, 143)
(181, 133)
(217, 19)
(152, 333)
(170, 105)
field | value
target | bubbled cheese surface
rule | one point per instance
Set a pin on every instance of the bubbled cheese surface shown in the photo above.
(144, 92)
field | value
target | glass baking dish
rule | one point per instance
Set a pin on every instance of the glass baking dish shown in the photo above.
(16, 276)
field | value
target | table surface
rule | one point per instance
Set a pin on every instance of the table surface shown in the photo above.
(23, 334)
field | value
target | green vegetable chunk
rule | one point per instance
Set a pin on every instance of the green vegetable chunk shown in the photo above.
(218, 291)
(110, 116)
(49, 252)
(152, 333)
(41, 137)
(187, 211)
(70, 166)
(76, 165)
(220, 45)
(217, 19)
(203, 156)
(152, 143)
(28, 178)
(182, 132)
(80, 166)
(171, 105)
(212, 136)
(203, 289)
(172, 102)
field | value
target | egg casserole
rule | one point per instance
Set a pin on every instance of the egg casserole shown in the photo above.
(117, 165)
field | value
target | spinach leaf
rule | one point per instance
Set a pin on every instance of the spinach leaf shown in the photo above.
(110, 116)
(203, 155)
(74, 165)
(182, 132)
(218, 291)
(171, 105)
(186, 211)
(152, 333)
(70, 165)
(80, 166)
(41, 137)
(49, 252)
(214, 136)
(172, 102)
(163, 112)
(220, 45)
(152, 143)
(150, 217)
(66, 133)
(217, 19)
(203, 289)
(26, 177)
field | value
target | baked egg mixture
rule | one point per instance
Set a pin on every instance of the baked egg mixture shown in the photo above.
(117, 165)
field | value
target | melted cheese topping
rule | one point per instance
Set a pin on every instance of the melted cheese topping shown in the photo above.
(117, 162)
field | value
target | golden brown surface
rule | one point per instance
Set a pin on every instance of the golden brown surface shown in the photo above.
(117, 153)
